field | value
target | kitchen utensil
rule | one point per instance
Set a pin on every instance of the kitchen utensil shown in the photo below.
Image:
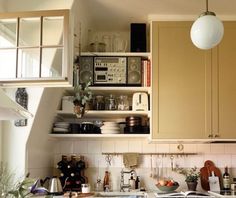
(54, 187)
(205, 172)
(140, 101)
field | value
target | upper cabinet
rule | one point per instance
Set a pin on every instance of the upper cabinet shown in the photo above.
(224, 100)
(193, 93)
(180, 83)
(34, 48)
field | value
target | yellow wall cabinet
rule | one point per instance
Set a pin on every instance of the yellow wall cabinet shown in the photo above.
(193, 91)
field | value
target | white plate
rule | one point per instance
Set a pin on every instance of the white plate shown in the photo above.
(110, 128)
(110, 131)
(56, 129)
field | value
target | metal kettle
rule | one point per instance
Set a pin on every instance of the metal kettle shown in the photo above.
(54, 186)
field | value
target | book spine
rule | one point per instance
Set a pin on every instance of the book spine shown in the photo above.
(148, 73)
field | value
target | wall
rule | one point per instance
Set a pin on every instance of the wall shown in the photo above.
(15, 138)
(39, 145)
(91, 149)
(1, 141)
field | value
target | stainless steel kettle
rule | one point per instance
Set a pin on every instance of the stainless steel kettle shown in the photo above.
(54, 187)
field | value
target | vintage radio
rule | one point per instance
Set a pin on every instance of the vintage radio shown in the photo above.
(110, 70)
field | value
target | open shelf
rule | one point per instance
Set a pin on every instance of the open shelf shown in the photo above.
(106, 114)
(99, 135)
(142, 54)
(111, 89)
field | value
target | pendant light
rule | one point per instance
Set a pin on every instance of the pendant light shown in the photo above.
(207, 31)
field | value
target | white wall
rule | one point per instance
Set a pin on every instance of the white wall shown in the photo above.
(39, 145)
(15, 138)
(1, 141)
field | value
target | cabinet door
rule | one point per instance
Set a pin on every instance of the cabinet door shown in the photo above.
(181, 84)
(225, 64)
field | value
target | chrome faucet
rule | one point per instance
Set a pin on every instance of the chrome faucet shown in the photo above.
(122, 182)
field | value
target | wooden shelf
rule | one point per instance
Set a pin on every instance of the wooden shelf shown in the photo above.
(105, 114)
(99, 135)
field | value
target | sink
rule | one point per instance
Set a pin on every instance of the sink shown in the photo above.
(121, 194)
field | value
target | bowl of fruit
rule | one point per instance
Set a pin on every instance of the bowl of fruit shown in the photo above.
(168, 185)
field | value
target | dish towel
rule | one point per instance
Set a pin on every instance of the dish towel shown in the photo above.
(130, 160)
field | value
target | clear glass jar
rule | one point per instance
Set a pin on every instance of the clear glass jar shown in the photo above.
(99, 103)
(110, 103)
(123, 103)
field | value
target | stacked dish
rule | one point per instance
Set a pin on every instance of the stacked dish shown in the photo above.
(61, 127)
(110, 128)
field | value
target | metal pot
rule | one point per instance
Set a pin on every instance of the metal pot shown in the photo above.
(54, 187)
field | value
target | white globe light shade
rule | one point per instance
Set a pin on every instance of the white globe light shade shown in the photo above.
(206, 32)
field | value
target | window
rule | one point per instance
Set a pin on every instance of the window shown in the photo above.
(34, 48)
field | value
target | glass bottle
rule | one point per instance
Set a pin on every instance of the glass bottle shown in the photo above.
(99, 103)
(123, 103)
(226, 179)
(106, 181)
(110, 103)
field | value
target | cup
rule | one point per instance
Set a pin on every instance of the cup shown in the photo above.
(85, 188)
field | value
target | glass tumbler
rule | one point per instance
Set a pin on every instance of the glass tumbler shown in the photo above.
(123, 103)
(99, 103)
(110, 103)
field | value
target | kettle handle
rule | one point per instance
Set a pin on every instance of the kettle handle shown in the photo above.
(42, 181)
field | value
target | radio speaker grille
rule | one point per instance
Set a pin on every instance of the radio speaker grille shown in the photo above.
(134, 71)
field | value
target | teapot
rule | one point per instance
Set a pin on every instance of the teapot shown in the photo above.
(54, 186)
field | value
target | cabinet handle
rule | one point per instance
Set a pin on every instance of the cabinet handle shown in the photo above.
(210, 136)
(216, 136)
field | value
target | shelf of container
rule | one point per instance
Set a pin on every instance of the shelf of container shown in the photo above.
(106, 114)
(142, 54)
(99, 135)
(117, 90)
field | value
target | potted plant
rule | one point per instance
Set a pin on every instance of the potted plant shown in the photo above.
(191, 176)
(82, 95)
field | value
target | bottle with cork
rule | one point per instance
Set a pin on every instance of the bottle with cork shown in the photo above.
(226, 179)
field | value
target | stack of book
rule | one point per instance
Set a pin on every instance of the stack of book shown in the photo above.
(146, 77)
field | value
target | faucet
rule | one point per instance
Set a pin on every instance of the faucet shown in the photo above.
(122, 183)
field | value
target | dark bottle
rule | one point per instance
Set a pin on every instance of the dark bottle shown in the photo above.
(62, 165)
(137, 183)
(72, 165)
(226, 179)
(80, 164)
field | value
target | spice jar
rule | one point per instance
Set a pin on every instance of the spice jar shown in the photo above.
(99, 103)
(110, 103)
(123, 103)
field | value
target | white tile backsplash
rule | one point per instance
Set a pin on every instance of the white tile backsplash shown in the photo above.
(220, 154)
(135, 146)
(81, 147)
(94, 147)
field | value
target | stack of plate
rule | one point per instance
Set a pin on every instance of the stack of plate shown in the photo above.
(61, 127)
(110, 128)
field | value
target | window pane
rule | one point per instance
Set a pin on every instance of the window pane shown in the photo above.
(53, 31)
(29, 34)
(8, 63)
(8, 32)
(52, 62)
(28, 63)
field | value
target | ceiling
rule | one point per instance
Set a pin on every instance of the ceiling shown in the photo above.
(109, 14)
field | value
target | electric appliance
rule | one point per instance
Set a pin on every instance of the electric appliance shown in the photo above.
(110, 70)
(138, 37)
(134, 76)
(140, 101)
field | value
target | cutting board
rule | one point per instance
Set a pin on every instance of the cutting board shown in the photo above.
(205, 173)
